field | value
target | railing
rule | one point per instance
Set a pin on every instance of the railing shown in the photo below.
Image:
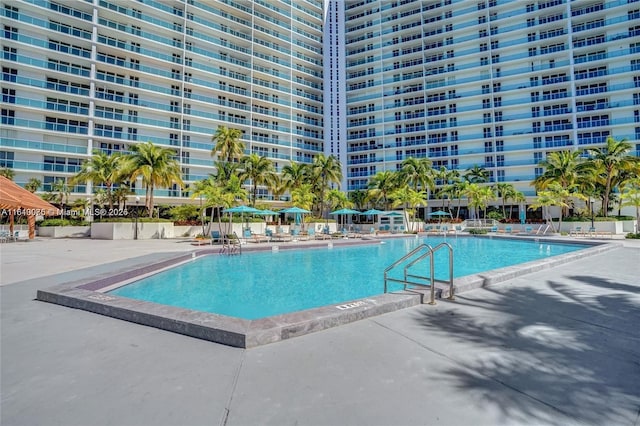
(480, 223)
(231, 244)
(431, 279)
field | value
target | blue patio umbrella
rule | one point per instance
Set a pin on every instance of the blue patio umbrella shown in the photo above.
(266, 212)
(392, 213)
(440, 213)
(297, 211)
(294, 209)
(372, 212)
(240, 209)
(344, 212)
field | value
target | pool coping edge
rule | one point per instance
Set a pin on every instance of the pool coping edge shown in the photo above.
(243, 333)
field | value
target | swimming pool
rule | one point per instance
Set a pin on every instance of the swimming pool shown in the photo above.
(264, 284)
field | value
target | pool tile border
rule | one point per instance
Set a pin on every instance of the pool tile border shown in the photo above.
(237, 332)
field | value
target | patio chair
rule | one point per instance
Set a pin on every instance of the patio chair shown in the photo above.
(257, 238)
(494, 229)
(216, 237)
(576, 232)
(318, 236)
(282, 236)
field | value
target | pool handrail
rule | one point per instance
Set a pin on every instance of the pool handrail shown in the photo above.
(429, 253)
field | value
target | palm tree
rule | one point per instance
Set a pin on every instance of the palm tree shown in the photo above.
(303, 196)
(228, 145)
(7, 172)
(156, 165)
(296, 174)
(446, 177)
(358, 198)
(325, 171)
(562, 167)
(119, 195)
(59, 194)
(224, 171)
(612, 159)
(505, 191)
(518, 198)
(102, 169)
(459, 189)
(33, 185)
(278, 186)
(477, 174)
(554, 195)
(257, 169)
(338, 199)
(479, 197)
(409, 199)
(417, 173)
(380, 186)
(214, 196)
(631, 197)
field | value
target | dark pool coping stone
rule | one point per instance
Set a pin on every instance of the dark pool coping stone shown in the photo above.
(237, 332)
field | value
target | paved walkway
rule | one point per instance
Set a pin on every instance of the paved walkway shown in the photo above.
(560, 346)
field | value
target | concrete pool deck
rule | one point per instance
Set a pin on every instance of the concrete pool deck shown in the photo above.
(557, 346)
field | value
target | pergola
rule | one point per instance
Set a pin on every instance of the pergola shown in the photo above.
(16, 200)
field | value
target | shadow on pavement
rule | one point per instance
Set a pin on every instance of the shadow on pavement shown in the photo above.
(573, 348)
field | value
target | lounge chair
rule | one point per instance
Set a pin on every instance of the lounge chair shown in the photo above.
(257, 238)
(296, 235)
(577, 232)
(216, 237)
(318, 236)
(280, 235)
(445, 230)
(494, 229)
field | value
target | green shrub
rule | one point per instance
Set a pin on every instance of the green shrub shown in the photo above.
(184, 213)
(478, 231)
(61, 222)
(595, 219)
(129, 219)
(633, 236)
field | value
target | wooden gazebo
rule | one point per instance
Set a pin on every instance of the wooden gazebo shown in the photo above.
(15, 200)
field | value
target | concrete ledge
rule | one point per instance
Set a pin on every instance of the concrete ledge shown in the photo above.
(89, 295)
(229, 331)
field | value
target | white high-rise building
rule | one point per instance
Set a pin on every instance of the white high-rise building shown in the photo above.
(491, 83)
(105, 74)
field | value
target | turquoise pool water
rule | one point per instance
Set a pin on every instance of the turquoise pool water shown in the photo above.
(262, 284)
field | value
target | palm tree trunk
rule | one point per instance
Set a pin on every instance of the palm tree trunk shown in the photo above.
(151, 202)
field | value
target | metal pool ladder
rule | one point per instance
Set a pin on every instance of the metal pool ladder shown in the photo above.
(231, 245)
(416, 255)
